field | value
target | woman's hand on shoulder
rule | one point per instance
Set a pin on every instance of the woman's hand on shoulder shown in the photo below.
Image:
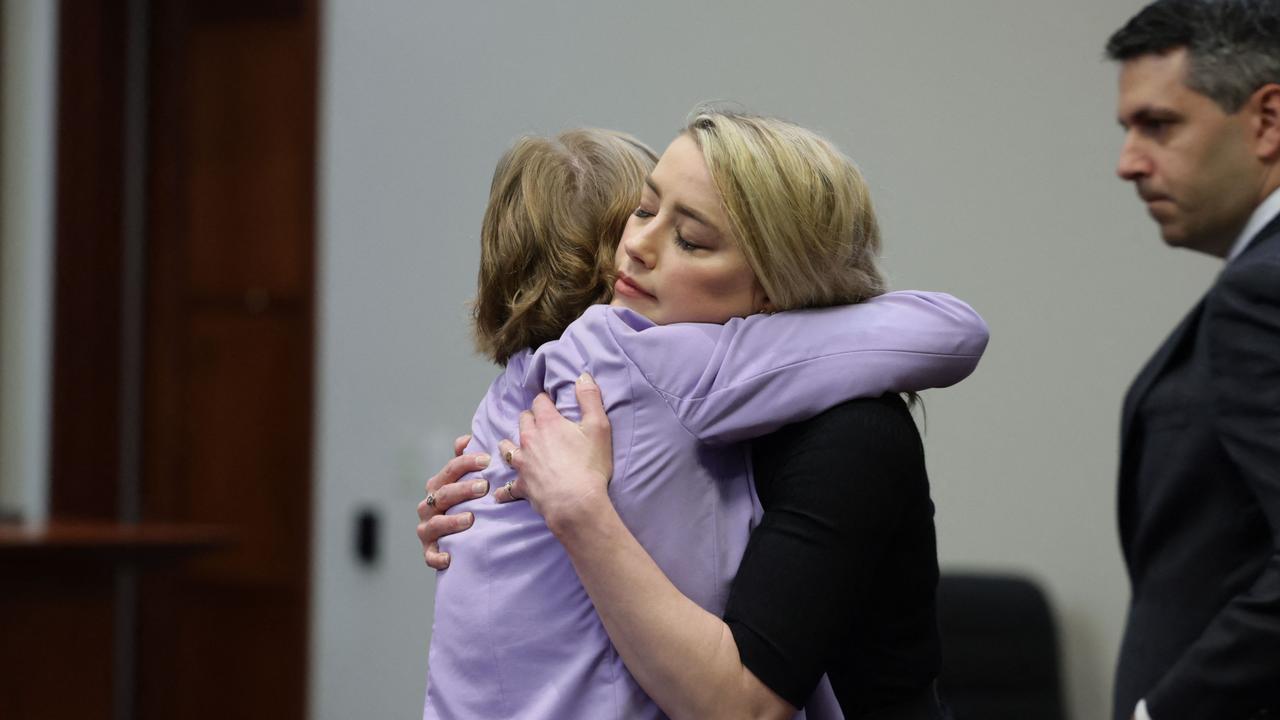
(563, 466)
(443, 492)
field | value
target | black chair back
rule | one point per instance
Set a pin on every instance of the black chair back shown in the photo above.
(999, 649)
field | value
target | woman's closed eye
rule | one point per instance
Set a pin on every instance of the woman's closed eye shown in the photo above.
(686, 245)
(640, 212)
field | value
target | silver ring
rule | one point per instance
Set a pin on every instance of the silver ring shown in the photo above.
(431, 499)
(511, 493)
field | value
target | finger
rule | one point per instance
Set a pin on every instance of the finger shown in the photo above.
(528, 426)
(431, 550)
(450, 495)
(507, 493)
(591, 402)
(510, 452)
(436, 560)
(456, 468)
(460, 444)
(430, 532)
(543, 409)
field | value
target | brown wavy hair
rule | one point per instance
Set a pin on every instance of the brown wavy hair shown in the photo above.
(556, 211)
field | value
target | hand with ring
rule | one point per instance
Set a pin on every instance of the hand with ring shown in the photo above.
(560, 463)
(443, 492)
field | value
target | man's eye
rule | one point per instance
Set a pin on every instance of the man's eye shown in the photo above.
(1155, 127)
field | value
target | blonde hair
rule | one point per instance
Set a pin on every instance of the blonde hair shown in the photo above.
(800, 209)
(556, 211)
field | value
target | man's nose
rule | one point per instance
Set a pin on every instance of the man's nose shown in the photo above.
(1133, 163)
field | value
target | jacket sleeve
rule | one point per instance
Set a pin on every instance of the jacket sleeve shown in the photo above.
(1233, 668)
(765, 371)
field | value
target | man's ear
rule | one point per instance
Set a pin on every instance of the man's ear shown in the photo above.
(1266, 103)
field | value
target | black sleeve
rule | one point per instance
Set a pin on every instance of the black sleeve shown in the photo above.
(841, 574)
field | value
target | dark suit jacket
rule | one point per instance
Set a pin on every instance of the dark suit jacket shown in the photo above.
(1199, 506)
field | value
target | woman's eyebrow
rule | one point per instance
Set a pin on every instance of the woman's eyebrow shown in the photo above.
(681, 208)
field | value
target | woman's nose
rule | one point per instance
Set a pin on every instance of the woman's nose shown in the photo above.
(640, 245)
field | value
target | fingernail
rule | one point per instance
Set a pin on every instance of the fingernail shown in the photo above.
(468, 519)
(585, 380)
(483, 460)
(447, 558)
(480, 487)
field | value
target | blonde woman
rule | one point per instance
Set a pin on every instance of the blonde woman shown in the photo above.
(691, 365)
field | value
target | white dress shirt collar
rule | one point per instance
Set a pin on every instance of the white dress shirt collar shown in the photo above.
(1266, 211)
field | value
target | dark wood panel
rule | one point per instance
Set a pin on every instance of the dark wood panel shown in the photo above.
(251, 86)
(229, 367)
(85, 429)
(212, 11)
(164, 419)
(226, 651)
(56, 654)
(245, 443)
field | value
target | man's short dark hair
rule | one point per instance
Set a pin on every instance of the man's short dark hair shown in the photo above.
(1233, 45)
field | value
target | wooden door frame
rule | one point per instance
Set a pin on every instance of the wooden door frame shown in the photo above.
(123, 308)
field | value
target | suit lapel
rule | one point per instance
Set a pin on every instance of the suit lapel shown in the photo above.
(1153, 369)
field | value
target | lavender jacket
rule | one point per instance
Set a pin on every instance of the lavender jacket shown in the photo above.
(515, 634)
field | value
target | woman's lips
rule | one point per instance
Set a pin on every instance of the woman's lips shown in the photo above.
(626, 286)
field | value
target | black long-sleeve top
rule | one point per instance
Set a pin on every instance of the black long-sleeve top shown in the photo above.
(840, 577)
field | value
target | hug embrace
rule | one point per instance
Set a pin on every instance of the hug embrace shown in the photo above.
(633, 556)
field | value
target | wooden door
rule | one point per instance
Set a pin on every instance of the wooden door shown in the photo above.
(223, 324)
(228, 409)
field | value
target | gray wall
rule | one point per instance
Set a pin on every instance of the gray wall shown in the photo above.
(27, 76)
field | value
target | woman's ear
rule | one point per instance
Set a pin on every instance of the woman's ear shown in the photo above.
(760, 302)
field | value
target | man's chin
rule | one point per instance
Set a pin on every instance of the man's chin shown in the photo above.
(1174, 234)
(1176, 237)
(1172, 238)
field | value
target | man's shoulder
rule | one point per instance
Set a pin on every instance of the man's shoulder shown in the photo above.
(1255, 271)
(1263, 248)
(1241, 321)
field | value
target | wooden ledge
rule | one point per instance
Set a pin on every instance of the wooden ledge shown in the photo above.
(73, 539)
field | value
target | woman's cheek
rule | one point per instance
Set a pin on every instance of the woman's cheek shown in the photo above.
(730, 289)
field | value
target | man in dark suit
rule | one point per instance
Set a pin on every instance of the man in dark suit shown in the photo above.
(1199, 500)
